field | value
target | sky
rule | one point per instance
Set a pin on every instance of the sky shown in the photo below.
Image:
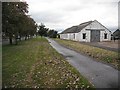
(62, 14)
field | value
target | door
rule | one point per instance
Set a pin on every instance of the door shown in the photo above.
(95, 36)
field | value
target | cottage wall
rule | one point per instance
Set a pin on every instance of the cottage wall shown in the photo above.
(69, 36)
(72, 36)
(102, 35)
(79, 36)
(93, 26)
(64, 36)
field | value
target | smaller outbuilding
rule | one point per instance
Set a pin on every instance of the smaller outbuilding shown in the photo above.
(116, 34)
(91, 31)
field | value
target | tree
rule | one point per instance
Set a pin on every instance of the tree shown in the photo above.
(42, 30)
(52, 33)
(30, 27)
(11, 13)
(15, 21)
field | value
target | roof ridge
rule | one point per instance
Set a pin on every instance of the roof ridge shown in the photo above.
(86, 22)
(71, 27)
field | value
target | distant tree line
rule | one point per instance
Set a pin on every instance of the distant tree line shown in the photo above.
(43, 31)
(15, 21)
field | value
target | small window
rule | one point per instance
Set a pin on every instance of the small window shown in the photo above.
(74, 36)
(84, 35)
(105, 36)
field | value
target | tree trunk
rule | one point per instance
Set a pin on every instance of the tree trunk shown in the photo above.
(26, 37)
(16, 42)
(10, 40)
(20, 38)
(31, 36)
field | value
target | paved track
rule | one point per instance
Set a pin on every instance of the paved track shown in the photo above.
(99, 74)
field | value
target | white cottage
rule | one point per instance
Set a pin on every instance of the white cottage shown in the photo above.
(91, 31)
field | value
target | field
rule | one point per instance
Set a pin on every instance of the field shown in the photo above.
(35, 64)
(105, 56)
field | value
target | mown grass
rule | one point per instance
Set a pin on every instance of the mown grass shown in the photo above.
(99, 54)
(35, 64)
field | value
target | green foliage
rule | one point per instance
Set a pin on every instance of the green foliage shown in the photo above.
(42, 30)
(52, 33)
(15, 21)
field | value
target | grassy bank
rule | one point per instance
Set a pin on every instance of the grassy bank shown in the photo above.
(97, 53)
(35, 64)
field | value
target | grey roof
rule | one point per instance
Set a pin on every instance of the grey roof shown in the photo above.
(76, 29)
(116, 33)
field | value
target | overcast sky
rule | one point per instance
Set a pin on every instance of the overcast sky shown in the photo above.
(61, 14)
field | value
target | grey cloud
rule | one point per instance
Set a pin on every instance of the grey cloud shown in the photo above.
(73, 8)
(10, 0)
(57, 13)
(48, 17)
(110, 4)
(113, 28)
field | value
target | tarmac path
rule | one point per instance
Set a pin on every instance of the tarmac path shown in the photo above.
(99, 74)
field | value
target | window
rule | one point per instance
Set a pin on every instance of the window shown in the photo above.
(84, 35)
(105, 36)
(74, 36)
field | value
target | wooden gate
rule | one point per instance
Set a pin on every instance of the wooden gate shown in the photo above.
(95, 36)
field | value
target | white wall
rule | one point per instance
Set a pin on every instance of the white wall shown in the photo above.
(72, 36)
(64, 36)
(96, 26)
(102, 35)
(69, 36)
(79, 36)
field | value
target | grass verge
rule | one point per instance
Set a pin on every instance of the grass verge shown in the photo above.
(99, 54)
(35, 64)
